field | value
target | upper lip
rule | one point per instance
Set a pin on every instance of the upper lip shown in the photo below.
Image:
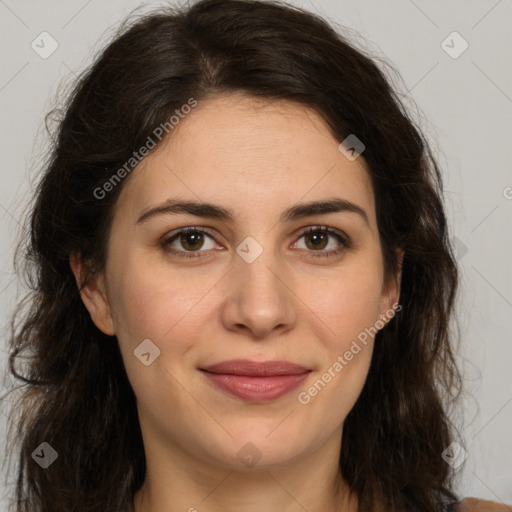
(256, 368)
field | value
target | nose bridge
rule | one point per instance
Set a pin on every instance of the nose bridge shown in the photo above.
(257, 267)
(260, 298)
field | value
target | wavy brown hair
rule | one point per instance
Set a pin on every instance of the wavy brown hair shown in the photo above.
(75, 392)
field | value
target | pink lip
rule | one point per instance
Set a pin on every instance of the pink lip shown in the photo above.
(254, 381)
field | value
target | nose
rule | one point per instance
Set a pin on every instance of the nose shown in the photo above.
(259, 300)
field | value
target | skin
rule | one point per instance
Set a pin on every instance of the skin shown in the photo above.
(257, 158)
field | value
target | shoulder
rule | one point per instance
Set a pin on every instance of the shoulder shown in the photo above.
(476, 505)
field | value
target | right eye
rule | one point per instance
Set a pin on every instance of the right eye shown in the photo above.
(190, 238)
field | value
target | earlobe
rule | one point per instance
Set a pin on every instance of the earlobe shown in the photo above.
(93, 294)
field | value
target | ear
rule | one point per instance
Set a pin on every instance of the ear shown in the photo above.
(391, 296)
(93, 294)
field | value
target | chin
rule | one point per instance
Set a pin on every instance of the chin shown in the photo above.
(261, 445)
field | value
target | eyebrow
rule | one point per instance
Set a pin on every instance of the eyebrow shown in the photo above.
(212, 211)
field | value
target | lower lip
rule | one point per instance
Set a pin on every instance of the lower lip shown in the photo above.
(256, 389)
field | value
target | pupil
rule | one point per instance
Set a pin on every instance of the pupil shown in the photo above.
(193, 238)
(317, 238)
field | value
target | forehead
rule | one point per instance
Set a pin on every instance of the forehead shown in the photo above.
(251, 155)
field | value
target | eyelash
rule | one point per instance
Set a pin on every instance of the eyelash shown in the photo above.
(319, 254)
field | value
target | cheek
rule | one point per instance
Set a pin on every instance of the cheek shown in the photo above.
(350, 312)
(158, 303)
(350, 304)
(148, 300)
(152, 303)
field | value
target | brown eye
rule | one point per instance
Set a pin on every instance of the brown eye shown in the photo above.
(318, 238)
(186, 241)
(189, 242)
(192, 240)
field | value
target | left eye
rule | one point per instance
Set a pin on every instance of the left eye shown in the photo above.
(317, 238)
(192, 240)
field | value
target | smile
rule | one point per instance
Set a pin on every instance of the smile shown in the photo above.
(256, 382)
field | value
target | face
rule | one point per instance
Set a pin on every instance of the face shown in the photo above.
(255, 286)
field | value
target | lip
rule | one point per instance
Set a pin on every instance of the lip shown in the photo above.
(255, 381)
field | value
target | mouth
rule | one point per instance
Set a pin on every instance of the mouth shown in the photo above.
(254, 381)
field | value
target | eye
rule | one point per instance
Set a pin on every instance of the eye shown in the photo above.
(190, 238)
(316, 239)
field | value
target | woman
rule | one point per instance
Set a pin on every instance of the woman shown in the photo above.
(242, 281)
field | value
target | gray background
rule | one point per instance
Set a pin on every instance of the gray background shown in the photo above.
(465, 106)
